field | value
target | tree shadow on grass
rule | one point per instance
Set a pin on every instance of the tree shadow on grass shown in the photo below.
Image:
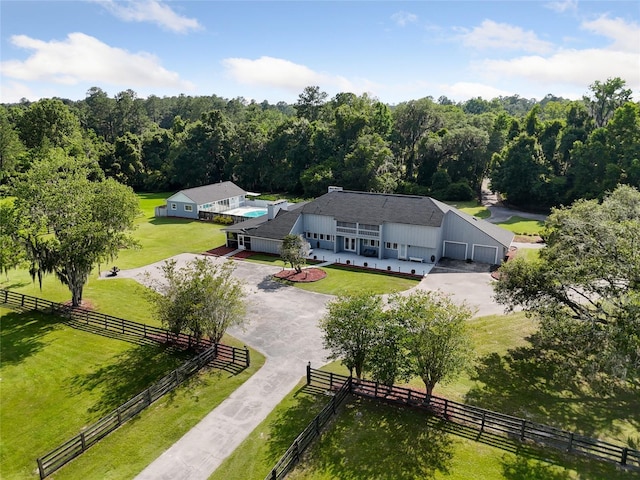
(558, 466)
(308, 402)
(129, 373)
(22, 334)
(372, 439)
(525, 384)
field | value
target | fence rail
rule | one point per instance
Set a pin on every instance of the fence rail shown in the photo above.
(310, 433)
(481, 419)
(67, 451)
(123, 327)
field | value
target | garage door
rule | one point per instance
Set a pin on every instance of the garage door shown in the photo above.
(485, 254)
(454, 250)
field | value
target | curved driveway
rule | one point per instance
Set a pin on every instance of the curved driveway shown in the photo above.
(282, 323)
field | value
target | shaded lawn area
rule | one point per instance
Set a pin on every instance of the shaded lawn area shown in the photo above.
(374, 440)
(346, 280)
(508, 378)
(57, 380)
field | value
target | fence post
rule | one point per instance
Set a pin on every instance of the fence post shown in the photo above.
(41, 469)
(317, 419)
(333, 404)
(233, 354)
(409, 397)
(144, 330)
(523, 429)
(484, 414)
(331, 381)
(350, 380)
(446, 404)
(82, 441)
(375, 390)
(149, 396)
(274, 474)
(189, 341)
(119, 416)
(123, 325)
(248, 356)
(570, 442)
(296, 449)
(36, 307)
(309, 373)
(625, 452)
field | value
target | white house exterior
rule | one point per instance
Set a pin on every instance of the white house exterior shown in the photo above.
(217, 197)
(377, 225)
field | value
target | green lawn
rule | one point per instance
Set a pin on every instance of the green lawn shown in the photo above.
(57, 380)
(523, 226)
(346, 280)
(373, 440)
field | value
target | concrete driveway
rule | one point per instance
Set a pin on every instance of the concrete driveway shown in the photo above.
(282, 323)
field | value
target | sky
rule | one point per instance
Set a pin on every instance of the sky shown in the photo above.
(271, 50)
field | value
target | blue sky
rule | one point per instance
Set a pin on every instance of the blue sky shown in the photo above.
(267, 50)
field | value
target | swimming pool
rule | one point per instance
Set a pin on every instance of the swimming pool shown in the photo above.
(247, 212)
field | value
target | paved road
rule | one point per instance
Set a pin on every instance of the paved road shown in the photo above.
(500, 213)
(282, 323)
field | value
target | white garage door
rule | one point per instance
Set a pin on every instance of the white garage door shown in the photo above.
(455, 250)
(485, 254)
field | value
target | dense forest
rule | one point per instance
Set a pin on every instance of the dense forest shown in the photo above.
(538, 154)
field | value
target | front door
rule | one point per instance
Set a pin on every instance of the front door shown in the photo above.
(402, 252)
(349, 244)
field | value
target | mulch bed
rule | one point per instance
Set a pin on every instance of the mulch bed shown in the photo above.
(307, 275)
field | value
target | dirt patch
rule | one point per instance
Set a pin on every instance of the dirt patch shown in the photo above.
(528, 239)
(307, 275)
(85, 305)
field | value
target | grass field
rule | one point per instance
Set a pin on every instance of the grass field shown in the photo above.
(373, 440)
(56, 380)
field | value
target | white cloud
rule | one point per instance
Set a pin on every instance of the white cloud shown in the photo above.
(82, 58)
(577, 67)
(493, 35)
(461, 91)
(284, 74)
(403, 18)
(153, 11)
(563, 6)
(13, 92)
(625, 36)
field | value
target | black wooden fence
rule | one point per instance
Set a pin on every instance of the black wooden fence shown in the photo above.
(481, 419)
(64, 453)
(292, 456)
(121, 326)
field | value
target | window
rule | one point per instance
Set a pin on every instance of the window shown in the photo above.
(188, 208)
(322, 236)
(308, 234)
(391, 246)
(174, 206)
(371, 243)
(315, 235)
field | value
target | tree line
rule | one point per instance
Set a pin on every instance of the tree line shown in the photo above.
(538, 154)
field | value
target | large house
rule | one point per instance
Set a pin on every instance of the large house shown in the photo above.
(377, 225)
(214, 198)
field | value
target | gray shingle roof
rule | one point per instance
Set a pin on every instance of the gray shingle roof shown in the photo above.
(377, 208)
(276, 229)
(213, 192)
